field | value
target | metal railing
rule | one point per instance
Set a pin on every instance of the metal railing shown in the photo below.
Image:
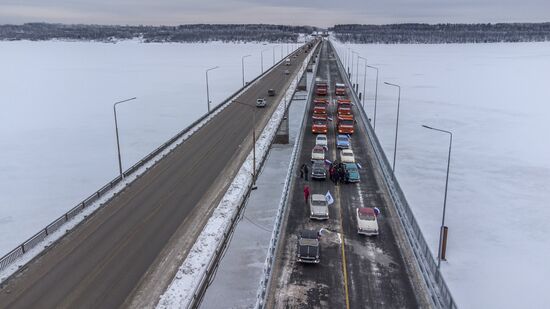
(438, 289)
(265, 280)
(30, 243)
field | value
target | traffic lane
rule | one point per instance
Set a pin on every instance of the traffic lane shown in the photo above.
(304, 285)
(82, 250)
(375, 264)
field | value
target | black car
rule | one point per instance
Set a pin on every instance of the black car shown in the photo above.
(308, 247)
(318, 170)
(271, 92)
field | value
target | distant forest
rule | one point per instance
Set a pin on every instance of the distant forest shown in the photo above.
(182, 33)
(443, 33)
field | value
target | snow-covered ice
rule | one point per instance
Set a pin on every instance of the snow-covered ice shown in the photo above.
(57, 136)
(494, 98)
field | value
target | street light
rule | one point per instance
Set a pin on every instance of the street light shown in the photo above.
(253, 141)
(364, 80)
(207, 91)
(242, 65)
(274, 54)
(440, 254)
(396, 125)
(351, 76)
(375, 95)
(262, 57)
(117, 139)
(347, 58)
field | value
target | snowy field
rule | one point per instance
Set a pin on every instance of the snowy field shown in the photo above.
(56, 121)
(494, 98)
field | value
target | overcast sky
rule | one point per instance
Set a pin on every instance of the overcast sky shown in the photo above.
(295, 12)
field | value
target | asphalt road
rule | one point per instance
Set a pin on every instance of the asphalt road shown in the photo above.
(374, 275)
(101, 261)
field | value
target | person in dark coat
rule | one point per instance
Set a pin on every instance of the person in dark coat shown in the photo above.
(331, 173)
(306, 171)
(336, 177)
(302, 171)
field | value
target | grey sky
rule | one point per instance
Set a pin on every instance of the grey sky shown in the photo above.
(296, 12)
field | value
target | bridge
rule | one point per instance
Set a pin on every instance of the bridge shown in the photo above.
(127, 252)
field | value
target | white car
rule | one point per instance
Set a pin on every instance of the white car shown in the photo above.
(347, 156)
(261, 102)
(321, 140)
(367, 224)
(318, 153)
(318, 207)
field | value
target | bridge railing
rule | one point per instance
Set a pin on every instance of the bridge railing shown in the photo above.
(438, 289)
(9, 258)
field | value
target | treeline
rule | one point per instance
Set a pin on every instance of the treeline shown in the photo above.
(181, 33)
(443, 33)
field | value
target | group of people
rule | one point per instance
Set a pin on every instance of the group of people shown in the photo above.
(337, 173)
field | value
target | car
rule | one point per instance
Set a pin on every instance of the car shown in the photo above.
(347, 156)
(287, 72)
(271, 92)
(321, 140)
(318, 207)
(287, 62)
(261, 102)
(318, 170)
(308, 247)
(367, 223)
(318, 153)
(352, 172)
(342, 141)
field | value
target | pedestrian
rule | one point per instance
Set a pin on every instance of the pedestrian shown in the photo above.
(331, 173)
(306, 171)
(336, 177)
(302, 171)
(341, 173)
(376, 211)
(306, 193)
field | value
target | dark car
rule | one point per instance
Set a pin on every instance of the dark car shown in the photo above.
(308, 247)
(318, 170)
(271, 92)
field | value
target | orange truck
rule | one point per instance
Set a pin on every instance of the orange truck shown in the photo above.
(321, 88)
(344, 107)
(319, 124)
(345, 124)
(320, 106)
(340, 89)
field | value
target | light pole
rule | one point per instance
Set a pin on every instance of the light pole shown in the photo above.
(351, 76)
(117, 139)
(242, 65)
(375, 95)
(253, 141)
(347, 58)
(207, 90)
(440, 249)
(396, 125)
(364, 80)
(357, 70)
(274, 54)
(262, 57)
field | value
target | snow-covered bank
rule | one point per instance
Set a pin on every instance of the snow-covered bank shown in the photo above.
(56, 125)
(493, 98)
(181, 290)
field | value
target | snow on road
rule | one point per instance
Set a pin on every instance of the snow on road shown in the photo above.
(494, 98)
(57, 136)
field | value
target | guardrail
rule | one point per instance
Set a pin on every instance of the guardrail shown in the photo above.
(30, 243)
(265, 281)
(438, 289)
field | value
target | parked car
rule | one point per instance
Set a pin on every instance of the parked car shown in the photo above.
(318, 207)
(318, 153)
(347, 156)
(261, 102)
(318, 170)
(271, 92)
(321, 140)
(352, 172)
(367, 224)
(342, 141)
(308, 247)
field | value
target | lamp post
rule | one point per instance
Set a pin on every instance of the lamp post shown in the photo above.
(253, 141)
(117, 138)
(207, 90)
(396, 125)
(440, 253)
(242, 65)
(375, 95)
(351, 76)
(262, 58)
(347, 58)
(364, 80)
(274, 54)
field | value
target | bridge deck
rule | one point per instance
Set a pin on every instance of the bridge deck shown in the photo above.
(374, 270)
(100, 263)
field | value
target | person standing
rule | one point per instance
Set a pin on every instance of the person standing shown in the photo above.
(306, 193)
(302, 171)
(306, 171)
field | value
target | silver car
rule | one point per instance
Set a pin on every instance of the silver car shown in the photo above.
(261, 102)
(318, 207)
